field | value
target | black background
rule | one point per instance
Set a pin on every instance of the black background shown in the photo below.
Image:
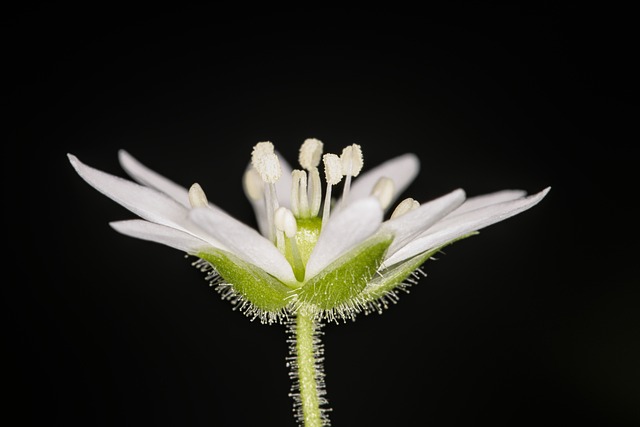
(534, 322)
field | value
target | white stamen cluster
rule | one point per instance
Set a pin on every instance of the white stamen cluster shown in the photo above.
(306, 189)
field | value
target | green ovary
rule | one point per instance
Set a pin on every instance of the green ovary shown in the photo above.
(306, 238)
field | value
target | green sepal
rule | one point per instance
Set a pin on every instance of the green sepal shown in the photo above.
(342, 280)
(252, 283)
(395, 275)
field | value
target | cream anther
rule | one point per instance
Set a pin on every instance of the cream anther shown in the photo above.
(268, 166)
(384, 191)
(310, 153)
(333, 175)
(286, 222)
(407, 205)
(352, 160)
(332, 168)
(253, 184)
(259, 151)
(197, 198)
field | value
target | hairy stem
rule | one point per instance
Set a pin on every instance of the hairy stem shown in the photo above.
(306, 364)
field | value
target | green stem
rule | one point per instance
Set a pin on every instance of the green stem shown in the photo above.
(306, 350)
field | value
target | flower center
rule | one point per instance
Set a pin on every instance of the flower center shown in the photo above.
(297, 248)
(295, 229)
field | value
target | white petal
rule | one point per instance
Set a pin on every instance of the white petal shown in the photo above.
(488, 199)
(260, 211)
(172, 237)
(146, 176)
(344, 230)
(244, 242)
(402, 170)
(457, 226)
(143, 201)
(413, 223)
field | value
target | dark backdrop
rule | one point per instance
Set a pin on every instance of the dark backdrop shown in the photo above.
(534, 322)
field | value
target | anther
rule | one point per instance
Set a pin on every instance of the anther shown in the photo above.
(405, 206)
(253, 184)
(197, 198)
(286, 222)
(333, 175)
(352, 163)
(384, 191)
(268, 166)
(287, 226)
(259, 150)
(310, 153)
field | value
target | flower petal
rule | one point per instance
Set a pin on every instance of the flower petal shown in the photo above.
(488, 199)
(169, 236)
(456, 226)
(150, 178)
(415, 222)
(344, 230)
(145, 202)
(402, 170)
(244, 242)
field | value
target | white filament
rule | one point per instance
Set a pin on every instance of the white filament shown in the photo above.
(333, 175)
(314, 192)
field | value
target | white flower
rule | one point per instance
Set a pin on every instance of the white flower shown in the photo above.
(336, 262)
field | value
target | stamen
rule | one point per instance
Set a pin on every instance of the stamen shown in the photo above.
(310, 153)
(304, 196)
(286, 222)
(252, 184)
(295, 192)
(314, 192)
(384, 191)
(407, 205)
(352, 163)
(333, 175)
(197, 198)
(299, 197)
(267, 164)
